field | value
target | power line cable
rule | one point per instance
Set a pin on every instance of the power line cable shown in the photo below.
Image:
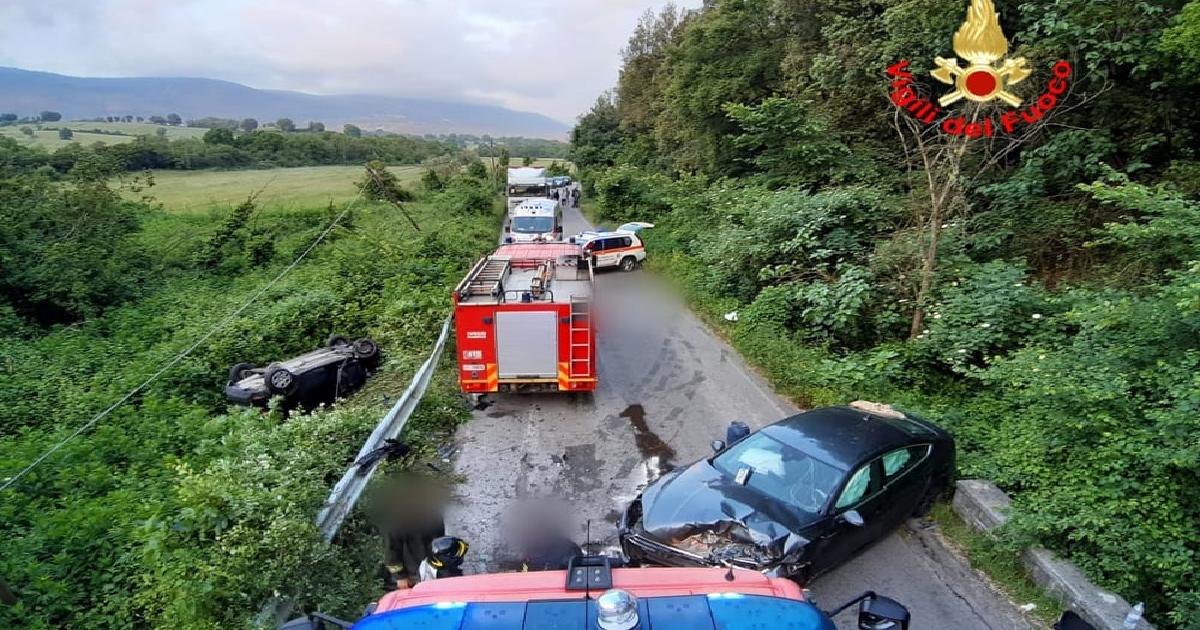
(181, 356)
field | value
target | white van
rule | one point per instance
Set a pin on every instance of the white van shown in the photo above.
(534, 220)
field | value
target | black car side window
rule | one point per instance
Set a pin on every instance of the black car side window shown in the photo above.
(862, 482)
(902, 460)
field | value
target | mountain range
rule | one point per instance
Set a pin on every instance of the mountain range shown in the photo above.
(27, 92)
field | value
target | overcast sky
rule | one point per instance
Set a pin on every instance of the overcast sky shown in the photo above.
(551, 57)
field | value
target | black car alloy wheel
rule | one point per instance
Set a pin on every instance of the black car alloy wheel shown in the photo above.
(365, 349)
(280, 380)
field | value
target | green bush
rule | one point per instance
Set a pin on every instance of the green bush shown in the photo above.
(467, 195)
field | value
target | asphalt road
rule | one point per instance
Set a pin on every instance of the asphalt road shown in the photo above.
(667, 388)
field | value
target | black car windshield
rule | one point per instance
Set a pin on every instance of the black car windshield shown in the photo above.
(533, 225)
(779, 471)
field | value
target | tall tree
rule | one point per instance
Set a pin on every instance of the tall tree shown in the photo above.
(249, 124)
(285, 124)
(640, 84)
(596, 140)
(351, 130)
(729, 53)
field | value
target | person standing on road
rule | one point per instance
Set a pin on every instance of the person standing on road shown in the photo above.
(575, 196)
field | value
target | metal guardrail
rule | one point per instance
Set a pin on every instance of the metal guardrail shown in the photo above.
(350, 487)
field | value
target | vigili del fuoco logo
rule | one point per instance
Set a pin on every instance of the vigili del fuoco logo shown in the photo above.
(986, 76)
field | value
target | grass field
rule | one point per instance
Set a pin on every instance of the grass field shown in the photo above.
(48, 139)
(135, 128)
(282, 188)
(536, 162)
(47, 136)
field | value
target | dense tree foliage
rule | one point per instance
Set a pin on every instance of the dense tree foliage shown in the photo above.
(1038, 295)
(487, 146)
(68, 248)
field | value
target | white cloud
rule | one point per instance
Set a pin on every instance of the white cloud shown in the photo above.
(538, 55)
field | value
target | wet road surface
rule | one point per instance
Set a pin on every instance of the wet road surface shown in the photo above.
(667, 388)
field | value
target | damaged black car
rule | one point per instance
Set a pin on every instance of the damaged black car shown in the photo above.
(797, 498)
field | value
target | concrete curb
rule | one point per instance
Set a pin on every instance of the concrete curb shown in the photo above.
(985, 507)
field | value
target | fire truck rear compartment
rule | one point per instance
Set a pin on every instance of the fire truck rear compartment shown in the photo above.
(527, 344)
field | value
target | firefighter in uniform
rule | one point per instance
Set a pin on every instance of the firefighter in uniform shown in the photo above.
(445, 558)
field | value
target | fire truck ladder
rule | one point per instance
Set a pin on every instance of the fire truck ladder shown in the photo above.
(487, 281)
(581, 338)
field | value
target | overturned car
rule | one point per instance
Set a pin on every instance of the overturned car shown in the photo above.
(797, 498)
(316, 377)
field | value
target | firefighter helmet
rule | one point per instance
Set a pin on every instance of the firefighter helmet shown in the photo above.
(447, 551)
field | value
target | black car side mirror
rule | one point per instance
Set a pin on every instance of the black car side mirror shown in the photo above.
(852, 517)
(882, 613)
(718, 445)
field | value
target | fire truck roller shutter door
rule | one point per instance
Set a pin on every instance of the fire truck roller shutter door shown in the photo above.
(527, 344)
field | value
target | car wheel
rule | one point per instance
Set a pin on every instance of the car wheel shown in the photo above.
(336, 340)
(239, 371)
(280, 381)
(365, 349)
(628, 263)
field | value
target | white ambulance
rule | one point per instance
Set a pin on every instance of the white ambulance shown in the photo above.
(534, 221)
(619, 248)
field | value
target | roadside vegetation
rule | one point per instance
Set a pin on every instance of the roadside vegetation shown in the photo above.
(1038, 295)
(179, 510)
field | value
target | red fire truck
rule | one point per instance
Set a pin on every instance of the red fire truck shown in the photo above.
(592, 595)
(523, 321)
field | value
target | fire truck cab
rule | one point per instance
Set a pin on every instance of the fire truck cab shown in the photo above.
(523, 321)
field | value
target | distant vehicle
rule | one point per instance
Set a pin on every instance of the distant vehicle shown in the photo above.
(619, 248)
(593, 595)
(526, 183)
(534, 220)
(797, 498)
(316, 377)
(523, 321)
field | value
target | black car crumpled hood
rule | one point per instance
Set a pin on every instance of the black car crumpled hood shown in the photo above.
(701, 499)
